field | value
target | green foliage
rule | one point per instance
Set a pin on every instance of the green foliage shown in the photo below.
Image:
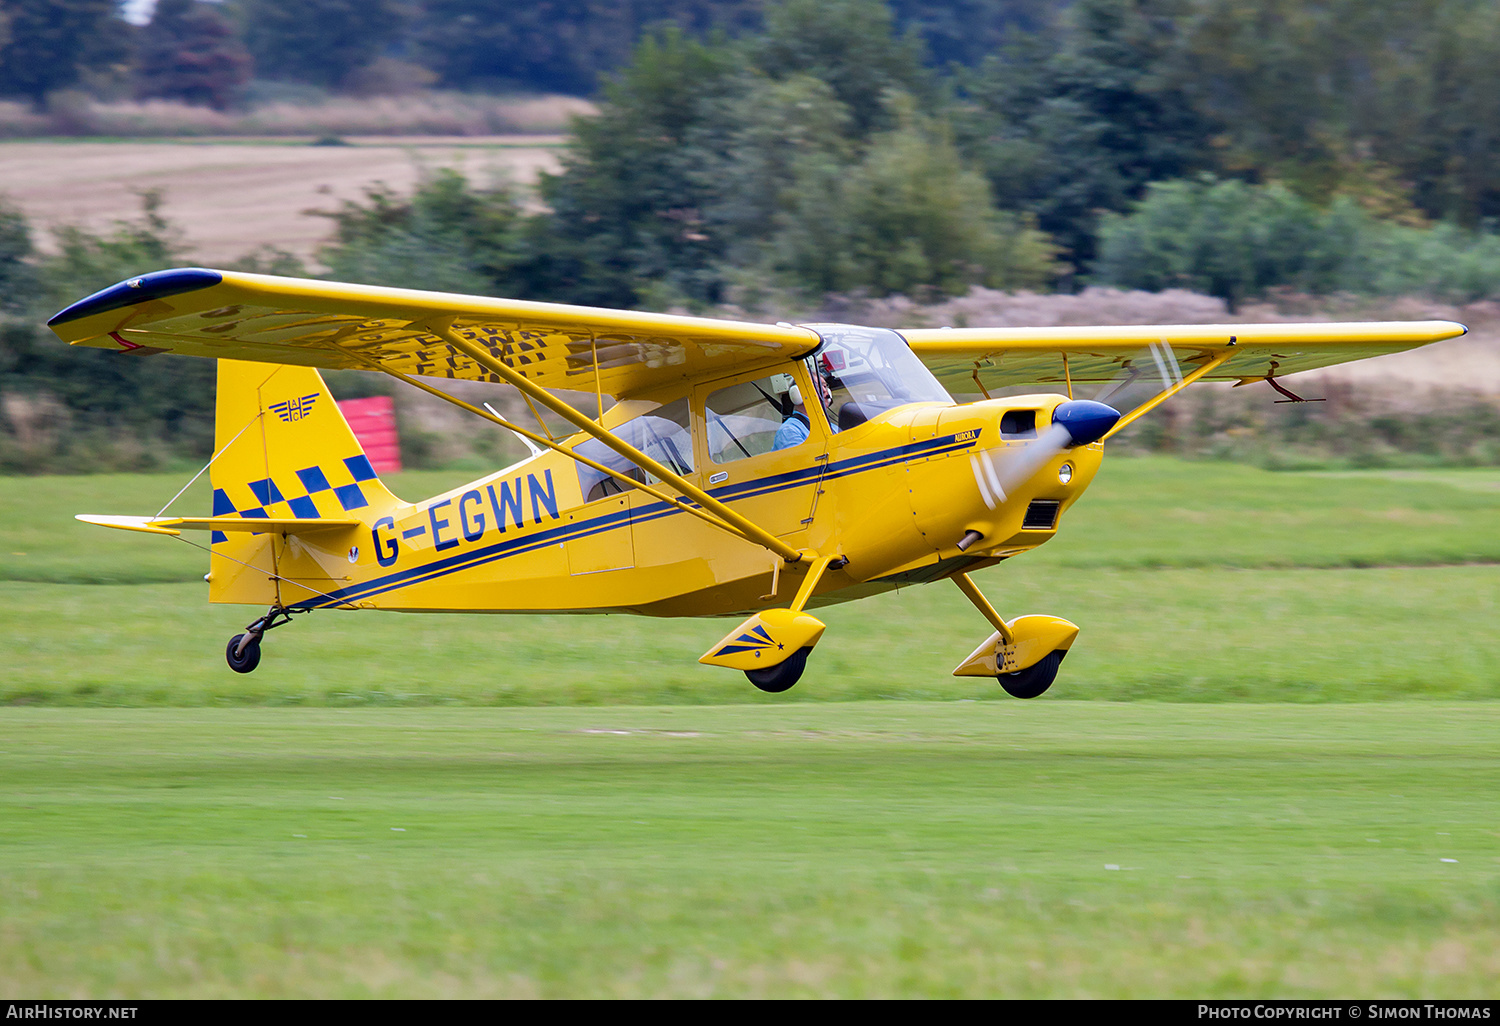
(446, 237)
(630, 206)
(967, 31)
(48, 44)
(814, 154)
(17, 277)
(1239, 241)
(554, 45)
(564, 45)
(1080, 120)
(908, 218)
(1324, 95)
(851, 45)
(320, 42)
(77, 408)
(191, 51)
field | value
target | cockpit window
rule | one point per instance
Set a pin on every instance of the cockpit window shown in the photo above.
(862, 372)
(663, 434)
(755, 417)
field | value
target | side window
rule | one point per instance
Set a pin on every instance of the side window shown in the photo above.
(663, 434)
(754, 417)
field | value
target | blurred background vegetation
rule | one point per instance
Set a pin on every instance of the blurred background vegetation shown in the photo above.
(794, 158)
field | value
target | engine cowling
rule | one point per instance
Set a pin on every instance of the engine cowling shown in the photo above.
(1033, 456)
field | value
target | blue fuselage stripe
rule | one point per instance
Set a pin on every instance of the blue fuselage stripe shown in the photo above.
(611, 521)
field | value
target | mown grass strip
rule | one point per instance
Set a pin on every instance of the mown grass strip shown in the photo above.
(1178, 635)
(867, 849)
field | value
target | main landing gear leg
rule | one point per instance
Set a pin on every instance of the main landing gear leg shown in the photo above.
(1023, 655)
(243, 651)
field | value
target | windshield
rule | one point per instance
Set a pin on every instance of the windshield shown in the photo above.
(863, 372)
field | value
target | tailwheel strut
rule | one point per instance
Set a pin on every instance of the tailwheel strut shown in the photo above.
(243, 650)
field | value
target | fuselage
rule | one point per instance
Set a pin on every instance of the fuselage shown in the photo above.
(895, 495)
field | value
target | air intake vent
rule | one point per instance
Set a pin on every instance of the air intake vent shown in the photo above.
(1018, 424)
(1041, 515)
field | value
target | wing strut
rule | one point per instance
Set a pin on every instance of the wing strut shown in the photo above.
(548, 443)
(530, 438)
(745, 528)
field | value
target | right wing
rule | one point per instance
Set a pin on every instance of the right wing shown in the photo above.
(975, 359)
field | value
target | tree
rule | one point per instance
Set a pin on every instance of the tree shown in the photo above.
(191, 51)
(51, 42)
(556, 45)
(910, 217)
(630, 206)
(320, 42)
(1078, 123)
(448, 237)
(850, 44)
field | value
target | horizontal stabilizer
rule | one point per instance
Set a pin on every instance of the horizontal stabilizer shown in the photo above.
(176, 525)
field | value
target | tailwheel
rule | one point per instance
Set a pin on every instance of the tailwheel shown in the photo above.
(243, 653)
(784, 674)
(1035, 679)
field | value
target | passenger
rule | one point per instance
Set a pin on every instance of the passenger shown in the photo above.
(796, 427)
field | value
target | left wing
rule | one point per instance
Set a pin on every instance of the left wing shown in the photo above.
(622, 353)
(977, 359)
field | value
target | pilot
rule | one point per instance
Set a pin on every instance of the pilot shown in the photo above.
(796, 427)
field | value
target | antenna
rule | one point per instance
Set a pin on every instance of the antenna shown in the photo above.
(536, 450)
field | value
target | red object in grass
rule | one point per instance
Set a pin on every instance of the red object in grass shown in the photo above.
(373, 422)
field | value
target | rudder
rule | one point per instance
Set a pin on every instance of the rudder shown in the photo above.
(284, 450)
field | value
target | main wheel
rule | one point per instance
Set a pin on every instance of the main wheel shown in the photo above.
(783, 675)
(1033, 680)
(247, 660)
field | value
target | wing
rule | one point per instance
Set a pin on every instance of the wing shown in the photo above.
(963, 358)
(200, 312)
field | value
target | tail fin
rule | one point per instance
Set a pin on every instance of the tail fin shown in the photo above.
(284, 450)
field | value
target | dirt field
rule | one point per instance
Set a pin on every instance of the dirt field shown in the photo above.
(232, 197)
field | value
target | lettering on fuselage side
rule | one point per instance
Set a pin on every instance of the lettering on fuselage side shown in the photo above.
(548, 498)
(508, 502)
(473, 530)
(385, 548)
(438, 541)
(447, 521)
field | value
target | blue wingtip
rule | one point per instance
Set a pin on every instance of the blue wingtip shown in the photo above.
(156, 285)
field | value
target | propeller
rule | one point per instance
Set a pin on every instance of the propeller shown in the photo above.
(1076, 422)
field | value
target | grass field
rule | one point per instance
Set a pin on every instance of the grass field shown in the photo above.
(863, 849)
(844, 839)
(1191, 581)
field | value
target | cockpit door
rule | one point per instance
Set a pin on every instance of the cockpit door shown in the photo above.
(766, 446)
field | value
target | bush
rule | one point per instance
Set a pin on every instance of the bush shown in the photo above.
(909, 218)
(1238, 241)
(68, 408)
(447, 237)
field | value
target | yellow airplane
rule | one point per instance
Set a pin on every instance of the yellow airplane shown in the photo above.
(741, 468)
